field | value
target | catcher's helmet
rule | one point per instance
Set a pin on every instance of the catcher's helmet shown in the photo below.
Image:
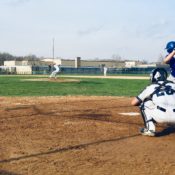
(158, 74)
(170, 46)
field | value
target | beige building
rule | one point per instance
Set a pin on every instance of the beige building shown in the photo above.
(77, 62)
(48, 61)
(23, 67)
(147, 65)
(129, 64)
(25, 63)
(101, 63)
(24, 70)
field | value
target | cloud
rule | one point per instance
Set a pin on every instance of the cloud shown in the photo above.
(16, 2)
(89, 31)
(157, 30)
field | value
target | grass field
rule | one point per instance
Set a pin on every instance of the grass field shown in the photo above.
(17, 86)
(78, 126)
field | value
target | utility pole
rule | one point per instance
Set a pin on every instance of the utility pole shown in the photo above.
(53, 49)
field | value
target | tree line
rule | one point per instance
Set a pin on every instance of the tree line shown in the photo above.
(9, 57)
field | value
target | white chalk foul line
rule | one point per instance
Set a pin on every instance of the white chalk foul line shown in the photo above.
(130, 113)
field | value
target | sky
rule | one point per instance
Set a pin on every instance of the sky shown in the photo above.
(131, 29)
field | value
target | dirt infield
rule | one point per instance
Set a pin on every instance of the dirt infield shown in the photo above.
(52, 80)
(72, 78)
(80, 136)
(111, 77)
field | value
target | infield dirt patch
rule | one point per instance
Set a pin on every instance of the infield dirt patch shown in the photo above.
(79, 136)
(58, 80)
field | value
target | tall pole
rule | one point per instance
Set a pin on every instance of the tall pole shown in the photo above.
(53, 49)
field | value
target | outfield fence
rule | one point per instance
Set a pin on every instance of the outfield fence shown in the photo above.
(45, 70)
(94, 70)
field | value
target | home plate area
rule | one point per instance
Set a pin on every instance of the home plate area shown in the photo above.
(79, 135)
(130, 113)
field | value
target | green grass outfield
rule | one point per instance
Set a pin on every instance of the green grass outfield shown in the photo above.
(17, 86)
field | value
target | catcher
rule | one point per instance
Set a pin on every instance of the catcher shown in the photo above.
(156, 102)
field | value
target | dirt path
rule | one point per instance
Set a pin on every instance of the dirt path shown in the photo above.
(111, 77)
(79, 136)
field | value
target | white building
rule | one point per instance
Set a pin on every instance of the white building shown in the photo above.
(129, 64)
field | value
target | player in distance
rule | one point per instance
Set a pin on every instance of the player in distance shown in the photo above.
(55, 72)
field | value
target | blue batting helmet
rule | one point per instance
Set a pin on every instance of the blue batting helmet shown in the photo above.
(170, 46)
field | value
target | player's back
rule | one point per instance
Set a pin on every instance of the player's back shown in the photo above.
(165, 96)
(56, 68)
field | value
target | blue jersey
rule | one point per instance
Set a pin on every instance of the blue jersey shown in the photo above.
(172, 66)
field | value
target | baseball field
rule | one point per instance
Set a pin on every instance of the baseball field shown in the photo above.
(78, 126)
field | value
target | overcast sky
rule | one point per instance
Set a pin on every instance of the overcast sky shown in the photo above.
(133, 29)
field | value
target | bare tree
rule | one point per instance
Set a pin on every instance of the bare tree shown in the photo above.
(31, 57)
(144, 61)
(116, 57)
(160, 59)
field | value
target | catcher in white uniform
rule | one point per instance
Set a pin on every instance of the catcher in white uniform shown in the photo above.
(55, 72)
(157, 102)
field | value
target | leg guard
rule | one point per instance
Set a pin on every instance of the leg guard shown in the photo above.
(148, 120)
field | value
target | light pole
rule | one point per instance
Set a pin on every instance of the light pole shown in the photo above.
(53, 49)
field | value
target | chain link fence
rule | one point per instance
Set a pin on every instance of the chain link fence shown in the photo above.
(45, 70)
